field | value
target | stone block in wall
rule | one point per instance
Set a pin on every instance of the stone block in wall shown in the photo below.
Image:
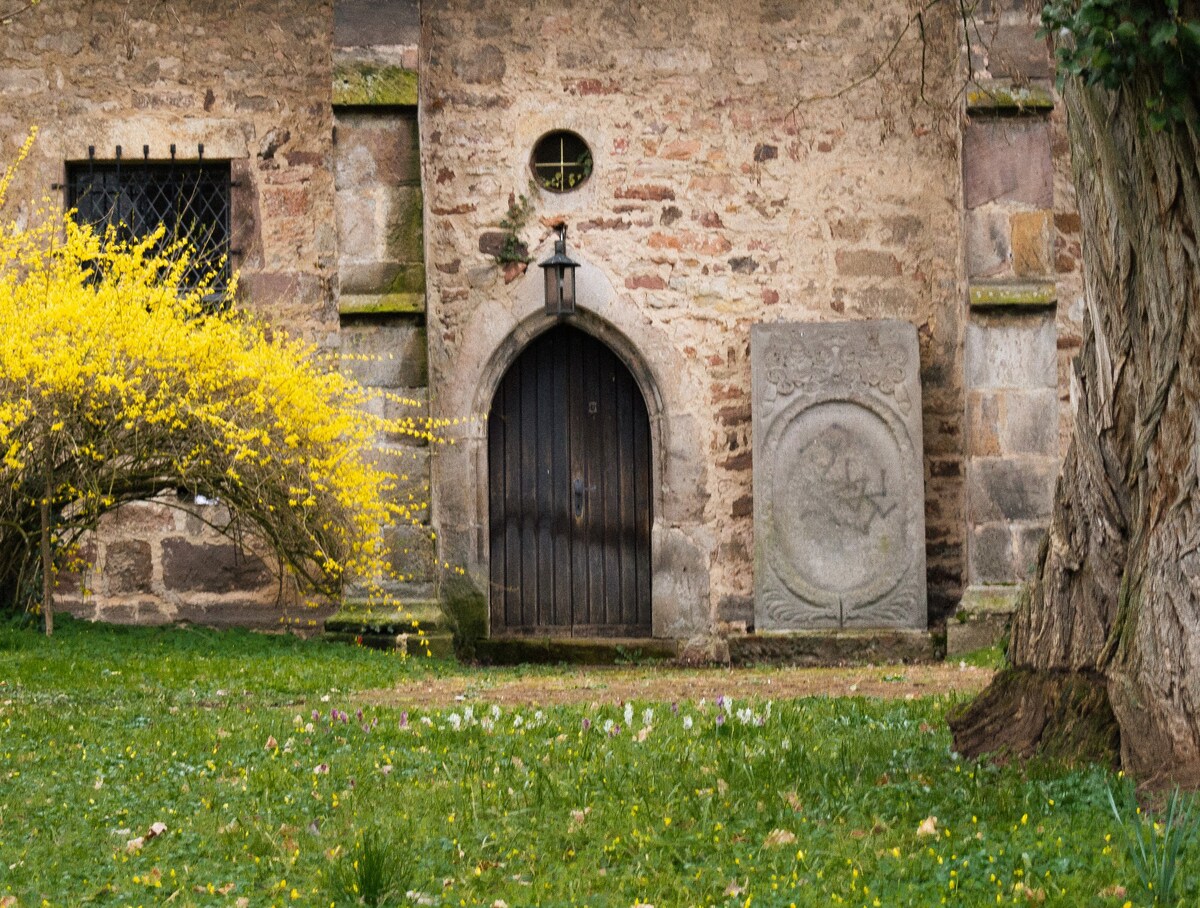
(1030, 422)
(1008, 159)
(374, 149)
(267, 290)
(1011, 352)
(408, 409)
(410, 466)
(384, 353)
(190, 567)
(413, 553)
(1027, 544)
(363, 23)
(404, 239)
(358, 228)
(839, 515)
(988, 241)
(680, 584)
(1014, 51)
(382, 277)
(139, 518)
(984, 416)
(1011, 488)
(1033, 243)
(736, 610)
(128, 567)
(990, 555)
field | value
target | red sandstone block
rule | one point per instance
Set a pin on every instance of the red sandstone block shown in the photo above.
(645, 282)
(647, 193)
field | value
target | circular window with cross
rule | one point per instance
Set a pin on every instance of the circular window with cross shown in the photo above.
(561, 161)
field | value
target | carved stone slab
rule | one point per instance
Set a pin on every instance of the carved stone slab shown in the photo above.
(839, 492)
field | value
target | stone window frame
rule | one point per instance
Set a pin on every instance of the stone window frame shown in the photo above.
(584, 161)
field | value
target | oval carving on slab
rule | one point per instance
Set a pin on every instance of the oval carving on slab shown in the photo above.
(838, 498)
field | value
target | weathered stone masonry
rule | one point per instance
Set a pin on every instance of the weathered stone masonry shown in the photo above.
(1025, 299)
(744, 172)
(720, 198)
(253, 86)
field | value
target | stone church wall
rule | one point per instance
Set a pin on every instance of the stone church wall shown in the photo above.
(741, 175)
(251, 82)
(753, 162)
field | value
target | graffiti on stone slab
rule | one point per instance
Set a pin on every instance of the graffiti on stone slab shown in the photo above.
(839, 498)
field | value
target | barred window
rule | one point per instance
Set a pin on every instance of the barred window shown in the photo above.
(190, 199)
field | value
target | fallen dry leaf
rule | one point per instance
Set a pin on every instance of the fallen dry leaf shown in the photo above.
(777, 838)
(928, 827)
(271, 744)
(577, 819)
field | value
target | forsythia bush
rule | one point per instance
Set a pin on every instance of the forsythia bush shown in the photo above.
(118, 384)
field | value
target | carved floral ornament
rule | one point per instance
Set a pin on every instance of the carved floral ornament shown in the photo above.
(843, 362)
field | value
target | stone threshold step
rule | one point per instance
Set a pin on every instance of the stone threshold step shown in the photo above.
(574, 650)
(355, 618)
(833, 648)
(439, 644)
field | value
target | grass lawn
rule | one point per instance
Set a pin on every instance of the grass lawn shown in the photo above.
(190, 767)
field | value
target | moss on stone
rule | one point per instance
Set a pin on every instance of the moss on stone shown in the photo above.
(367, 84)
(409, 278)
(381, 303)
(406, 235)
(1003, 98)
(465, 607)
(1013, 294)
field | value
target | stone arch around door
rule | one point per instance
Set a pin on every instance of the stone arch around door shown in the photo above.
(466, 379)
(569, 493)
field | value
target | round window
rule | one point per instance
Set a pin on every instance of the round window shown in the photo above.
(561, 161)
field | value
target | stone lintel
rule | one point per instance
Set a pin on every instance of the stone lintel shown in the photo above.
(1003, 97)
(381, 303)
(357, 84)
(1007, 294)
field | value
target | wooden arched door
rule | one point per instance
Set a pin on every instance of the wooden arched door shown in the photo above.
(569, 493)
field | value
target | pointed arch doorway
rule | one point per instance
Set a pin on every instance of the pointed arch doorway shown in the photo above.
(569, 493)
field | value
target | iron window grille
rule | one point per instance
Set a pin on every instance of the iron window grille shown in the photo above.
(190, 199)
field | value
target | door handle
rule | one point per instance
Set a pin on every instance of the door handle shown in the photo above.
(577, 490)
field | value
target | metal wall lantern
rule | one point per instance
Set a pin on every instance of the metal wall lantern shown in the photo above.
(560, 278)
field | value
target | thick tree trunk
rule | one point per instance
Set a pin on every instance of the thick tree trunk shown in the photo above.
(1115, 600)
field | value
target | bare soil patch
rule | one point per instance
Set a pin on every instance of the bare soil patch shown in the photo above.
(601, 686)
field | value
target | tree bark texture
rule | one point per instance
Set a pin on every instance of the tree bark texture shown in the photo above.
(1115, 599)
